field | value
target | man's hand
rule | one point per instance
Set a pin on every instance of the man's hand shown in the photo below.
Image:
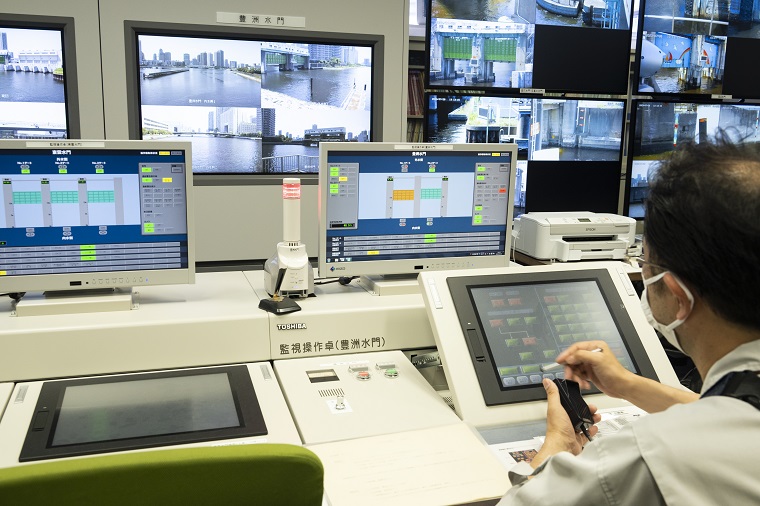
(560, 434)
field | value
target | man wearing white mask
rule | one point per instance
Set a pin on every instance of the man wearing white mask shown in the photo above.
(701, 273)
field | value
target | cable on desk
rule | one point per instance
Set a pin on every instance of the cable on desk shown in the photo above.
(17, 296)
(343, 280)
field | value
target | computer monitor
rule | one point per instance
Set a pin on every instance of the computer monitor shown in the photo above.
(495, 329)
(658, 128)
(538, 46)
(251, 103)
(706, 49)
(80, 215)
(388, 208)
(569, 149)
(37, 78)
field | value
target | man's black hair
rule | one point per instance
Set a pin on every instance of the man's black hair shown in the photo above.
(702, 222)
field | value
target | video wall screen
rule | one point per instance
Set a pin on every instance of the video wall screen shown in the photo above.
(32, 83)
(704, 48)
(552, 45)
(253, 106)
(570, 150)
(660, 127)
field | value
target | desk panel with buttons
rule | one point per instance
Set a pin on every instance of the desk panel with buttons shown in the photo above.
(348, 396)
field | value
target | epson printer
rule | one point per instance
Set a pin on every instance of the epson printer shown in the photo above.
(570, 236)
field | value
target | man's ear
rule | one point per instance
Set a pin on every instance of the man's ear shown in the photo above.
(684, 304)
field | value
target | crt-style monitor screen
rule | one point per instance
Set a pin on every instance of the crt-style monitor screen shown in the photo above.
(401, 208)
(107, 414)
(254, 106)
(547, 45)
(32, 83)
(515, 323)
(570, 150)
(660, 127)
(705, 48)
(110, 215)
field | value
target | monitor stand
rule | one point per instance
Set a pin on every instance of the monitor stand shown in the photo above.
(76, 301)
(390, 284)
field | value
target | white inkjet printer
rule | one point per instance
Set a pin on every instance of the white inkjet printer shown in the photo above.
(570, 236)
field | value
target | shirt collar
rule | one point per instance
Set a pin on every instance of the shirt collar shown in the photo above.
(744, 357)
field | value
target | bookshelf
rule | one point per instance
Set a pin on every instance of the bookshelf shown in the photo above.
(415, 102)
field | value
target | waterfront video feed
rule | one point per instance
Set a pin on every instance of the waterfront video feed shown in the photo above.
(682, 63)
(32, 95)
(704, 47)
(254, 107)
(660, 127)
(496, 44)
(545, 130)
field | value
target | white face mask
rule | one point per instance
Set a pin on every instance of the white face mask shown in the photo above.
(668, 331)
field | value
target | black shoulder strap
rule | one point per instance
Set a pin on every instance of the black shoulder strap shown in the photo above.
(745, 386)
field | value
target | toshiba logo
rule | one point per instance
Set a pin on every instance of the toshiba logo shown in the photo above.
(291, 326)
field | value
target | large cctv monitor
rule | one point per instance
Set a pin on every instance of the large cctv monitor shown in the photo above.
(394, 208)
(529, 46)
(704, 49)
(252, 102)
(659, 127)
(79, 215)
(38, 76)
(495, 329)
(569, 150)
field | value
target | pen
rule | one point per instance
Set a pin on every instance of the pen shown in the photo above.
(556, 367)
(584, 429)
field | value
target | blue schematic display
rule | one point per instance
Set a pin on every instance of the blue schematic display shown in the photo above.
(89, 210)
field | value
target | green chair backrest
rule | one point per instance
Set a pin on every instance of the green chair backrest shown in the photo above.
(265, 474)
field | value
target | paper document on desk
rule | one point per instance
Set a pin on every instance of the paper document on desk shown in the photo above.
(513, 452)
(441, 465)
(614, 419)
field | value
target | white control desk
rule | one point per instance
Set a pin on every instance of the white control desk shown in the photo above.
(346, 319)
(5, 394)
(214, 321)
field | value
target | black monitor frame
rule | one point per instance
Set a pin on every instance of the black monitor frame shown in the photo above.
(67, 27)
(38, 444)
(479, 351)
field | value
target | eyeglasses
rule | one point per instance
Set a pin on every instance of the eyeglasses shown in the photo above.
(640, 262)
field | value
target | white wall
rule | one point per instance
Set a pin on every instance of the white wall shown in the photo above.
(242, 221)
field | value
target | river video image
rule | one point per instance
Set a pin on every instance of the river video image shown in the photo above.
(254, 106)
(32, 95)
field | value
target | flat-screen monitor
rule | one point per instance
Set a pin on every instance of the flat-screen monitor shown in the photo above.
(704, 48)
(37, 78)
(569, 149)
(388, 208)
(251, 102)
(116, 413)
(513, 324)
(542, 45)
(658, 128)
(79, 215)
